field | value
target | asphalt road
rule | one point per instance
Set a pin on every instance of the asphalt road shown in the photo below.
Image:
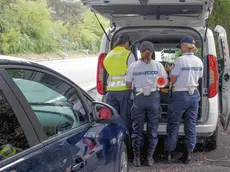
(81, 70)
(212, 161)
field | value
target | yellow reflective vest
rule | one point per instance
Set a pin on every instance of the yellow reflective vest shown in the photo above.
(116, 65)
(7, 151)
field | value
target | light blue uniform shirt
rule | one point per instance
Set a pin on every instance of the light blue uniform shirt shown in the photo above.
(188, 68)
(142, 74)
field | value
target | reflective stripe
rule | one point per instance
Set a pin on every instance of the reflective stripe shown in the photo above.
(119, 85)
(7, 151)
(117, 77)
(116, 83)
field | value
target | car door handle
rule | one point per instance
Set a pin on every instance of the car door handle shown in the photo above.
(226, 77)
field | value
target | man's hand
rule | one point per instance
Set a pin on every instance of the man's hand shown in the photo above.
(173, 79)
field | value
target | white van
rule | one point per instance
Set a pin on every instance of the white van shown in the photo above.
(164, 23)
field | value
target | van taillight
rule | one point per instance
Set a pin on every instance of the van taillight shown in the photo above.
(213, 76)
(100, 74)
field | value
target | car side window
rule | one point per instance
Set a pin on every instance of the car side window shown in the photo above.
(55, 103)
(12, 137)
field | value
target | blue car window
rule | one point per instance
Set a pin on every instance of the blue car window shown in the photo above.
(55, 103)
(12, 138)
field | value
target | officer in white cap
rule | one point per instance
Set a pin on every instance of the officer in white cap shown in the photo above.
(187, 70)
(142, 75)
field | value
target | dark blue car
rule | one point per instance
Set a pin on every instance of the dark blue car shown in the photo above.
(47, 123)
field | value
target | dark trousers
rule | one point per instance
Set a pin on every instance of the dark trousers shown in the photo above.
(121, 101)
(142, 105)
(164, 98)
(182, 103)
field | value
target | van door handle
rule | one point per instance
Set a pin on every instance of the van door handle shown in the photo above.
(226, 77)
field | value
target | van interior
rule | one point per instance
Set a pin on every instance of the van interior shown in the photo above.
(165, 42)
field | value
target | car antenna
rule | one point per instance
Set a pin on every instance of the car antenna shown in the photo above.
(102, 27)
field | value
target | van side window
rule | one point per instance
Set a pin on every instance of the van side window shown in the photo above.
(55, 103)
(12, 138)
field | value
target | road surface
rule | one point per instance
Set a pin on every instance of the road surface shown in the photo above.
(213, 161)
(81, 70)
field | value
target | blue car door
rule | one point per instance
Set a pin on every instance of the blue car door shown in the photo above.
(96, 155)
(62, 120)
(102, 157)
(20, 148)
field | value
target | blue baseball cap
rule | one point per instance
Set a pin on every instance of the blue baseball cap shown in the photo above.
(187, 39)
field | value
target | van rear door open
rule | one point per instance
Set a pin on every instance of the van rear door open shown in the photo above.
(224, 79)
(153, 12)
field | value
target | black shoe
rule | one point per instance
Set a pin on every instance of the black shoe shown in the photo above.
(136, 159)
(170, 157)
(187, 157)
(150, 160)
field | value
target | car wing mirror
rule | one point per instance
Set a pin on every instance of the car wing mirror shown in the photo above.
(103, 111)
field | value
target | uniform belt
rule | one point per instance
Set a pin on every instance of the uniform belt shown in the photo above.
(141, 90)
(182, 89)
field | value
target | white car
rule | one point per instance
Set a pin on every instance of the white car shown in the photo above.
(164, 23)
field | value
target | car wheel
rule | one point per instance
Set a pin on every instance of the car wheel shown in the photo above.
(211, 142)
(123, 159)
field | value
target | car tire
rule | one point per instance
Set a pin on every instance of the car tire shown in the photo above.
(212, 141)
(123, 159)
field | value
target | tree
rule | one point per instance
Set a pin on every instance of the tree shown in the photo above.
(67, 11)
(221, 15)
(90, 32)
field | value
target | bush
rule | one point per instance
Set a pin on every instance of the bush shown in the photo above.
(10, 42)
(26, 26)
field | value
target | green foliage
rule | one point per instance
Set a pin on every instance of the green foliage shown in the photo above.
(88, 36)
(10, 41)
(68, 11)
(37, 26)
(221, 15)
